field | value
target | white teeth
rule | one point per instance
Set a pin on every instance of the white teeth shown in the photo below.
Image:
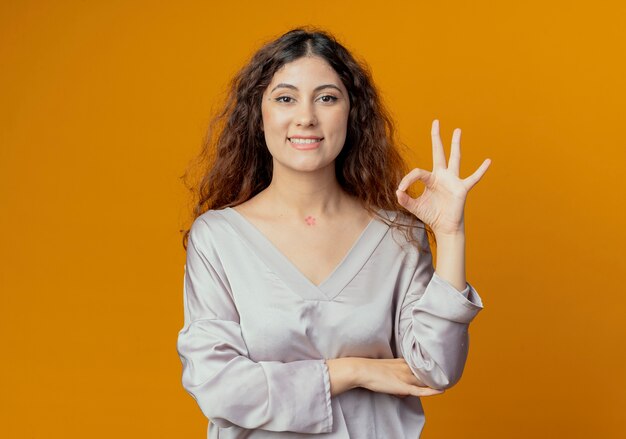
(304, 141)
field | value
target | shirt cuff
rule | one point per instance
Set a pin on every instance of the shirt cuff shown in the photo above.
(443, 299)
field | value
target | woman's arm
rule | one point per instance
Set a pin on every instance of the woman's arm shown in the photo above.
(451, 259)
(228, 386)
(439, 305)
(433, 321)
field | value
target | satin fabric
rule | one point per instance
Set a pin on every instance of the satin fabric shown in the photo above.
(257, 332)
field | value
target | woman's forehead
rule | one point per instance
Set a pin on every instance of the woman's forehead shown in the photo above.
(305, 73)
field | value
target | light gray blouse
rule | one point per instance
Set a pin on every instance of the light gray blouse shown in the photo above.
(257, 331)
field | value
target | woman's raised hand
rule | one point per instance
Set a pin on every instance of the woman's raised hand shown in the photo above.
(442, 203)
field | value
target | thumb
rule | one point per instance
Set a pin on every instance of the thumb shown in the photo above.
(403, 197)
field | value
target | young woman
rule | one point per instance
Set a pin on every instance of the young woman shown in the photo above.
(305, 310)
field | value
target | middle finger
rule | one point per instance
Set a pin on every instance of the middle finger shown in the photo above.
(439, 157)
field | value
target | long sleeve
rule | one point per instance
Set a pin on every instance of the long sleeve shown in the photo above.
(228, 386)
(433, 324)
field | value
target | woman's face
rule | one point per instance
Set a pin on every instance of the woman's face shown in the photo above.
(305, 98)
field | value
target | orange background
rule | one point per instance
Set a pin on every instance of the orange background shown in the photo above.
(104, 103)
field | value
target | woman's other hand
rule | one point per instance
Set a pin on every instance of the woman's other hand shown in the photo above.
(387, 375)
(391, 375)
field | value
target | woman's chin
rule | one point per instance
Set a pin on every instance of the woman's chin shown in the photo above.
(302, 165)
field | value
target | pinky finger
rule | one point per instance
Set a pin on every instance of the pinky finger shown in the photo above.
(425, 391)
(478, 174)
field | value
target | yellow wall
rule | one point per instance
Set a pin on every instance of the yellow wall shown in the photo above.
(102, 104)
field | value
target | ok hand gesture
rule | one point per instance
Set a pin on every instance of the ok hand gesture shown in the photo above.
(442, 203)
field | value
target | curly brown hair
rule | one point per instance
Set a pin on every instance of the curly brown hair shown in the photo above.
(235, 164)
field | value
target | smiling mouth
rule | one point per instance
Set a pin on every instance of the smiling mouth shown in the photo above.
(305, 141)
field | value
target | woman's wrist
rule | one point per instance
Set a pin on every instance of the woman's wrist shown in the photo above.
(343, 374)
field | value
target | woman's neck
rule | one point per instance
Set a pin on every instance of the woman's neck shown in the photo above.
(303, 194)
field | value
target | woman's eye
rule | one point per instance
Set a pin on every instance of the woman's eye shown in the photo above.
(278, 99)
(332, 98)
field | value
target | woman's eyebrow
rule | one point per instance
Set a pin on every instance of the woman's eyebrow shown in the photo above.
(319, 87)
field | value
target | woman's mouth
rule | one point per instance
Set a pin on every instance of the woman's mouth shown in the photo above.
(299, 143)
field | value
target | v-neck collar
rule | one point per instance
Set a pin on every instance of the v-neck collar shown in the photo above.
(282, 266)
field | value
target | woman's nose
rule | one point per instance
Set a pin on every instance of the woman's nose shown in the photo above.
(306, 115)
